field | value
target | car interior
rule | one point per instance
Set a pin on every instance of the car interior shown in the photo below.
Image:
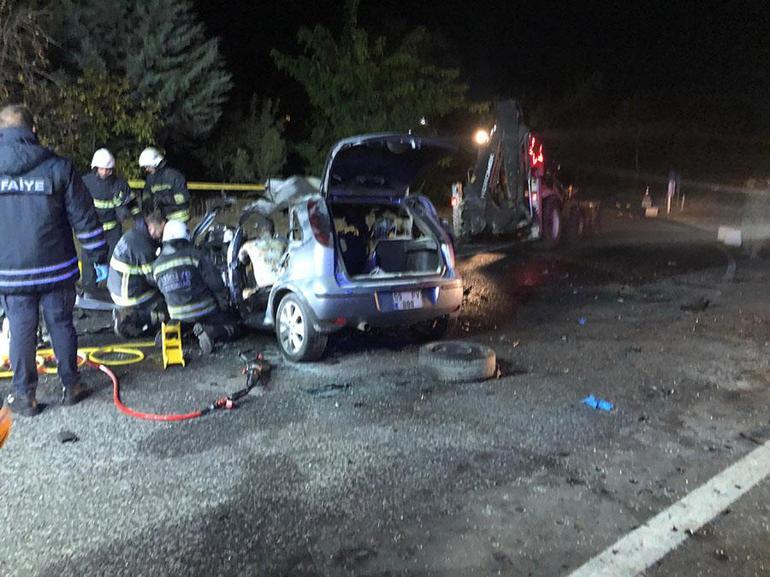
(382, 240)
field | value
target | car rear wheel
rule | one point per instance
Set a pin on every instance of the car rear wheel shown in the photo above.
(297, 339)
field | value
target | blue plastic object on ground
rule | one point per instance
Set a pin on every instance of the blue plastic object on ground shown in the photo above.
(582, 321)
(599, 404)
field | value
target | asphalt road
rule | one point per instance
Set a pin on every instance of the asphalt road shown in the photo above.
(361, 465)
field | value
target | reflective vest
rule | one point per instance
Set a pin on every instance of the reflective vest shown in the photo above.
(130, 279)
(188, 281)
(110, 196)
(42, 202)
(167, 190)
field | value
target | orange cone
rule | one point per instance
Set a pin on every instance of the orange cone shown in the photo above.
(6, 420)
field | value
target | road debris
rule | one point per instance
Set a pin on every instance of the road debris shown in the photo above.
(596, 403)
(353, 556)
(757, 436)
(330, 390)
(696, 306)
(68, 437)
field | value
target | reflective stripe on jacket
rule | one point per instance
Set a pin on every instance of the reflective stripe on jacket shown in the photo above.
(167, 190)
(42, 201)
(113, 198)
(189, 282)
(130, 279)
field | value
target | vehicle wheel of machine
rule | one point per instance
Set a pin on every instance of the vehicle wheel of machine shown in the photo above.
(576, 225)
(457, 361)
(297, 338)
(434, 329)
(551, 223)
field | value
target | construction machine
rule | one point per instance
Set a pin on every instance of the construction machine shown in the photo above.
(514, 190)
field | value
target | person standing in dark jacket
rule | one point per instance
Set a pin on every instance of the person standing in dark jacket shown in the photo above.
(141, 308)
(114, 202)
(164, 188)
(42, 201)
(193, 288)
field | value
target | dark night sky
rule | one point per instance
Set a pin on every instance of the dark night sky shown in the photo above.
(659, 50)
(505, 47)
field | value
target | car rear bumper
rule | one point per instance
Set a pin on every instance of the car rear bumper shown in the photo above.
(373, 306)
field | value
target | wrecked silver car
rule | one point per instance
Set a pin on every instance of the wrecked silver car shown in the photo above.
(360, 251)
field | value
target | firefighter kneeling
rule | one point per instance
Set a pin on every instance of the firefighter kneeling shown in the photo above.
(130, 282)
(193, 289)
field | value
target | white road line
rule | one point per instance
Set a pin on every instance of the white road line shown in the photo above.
(652, 541)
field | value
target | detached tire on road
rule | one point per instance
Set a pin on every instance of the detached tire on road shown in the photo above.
(457, 361)
(297, 338)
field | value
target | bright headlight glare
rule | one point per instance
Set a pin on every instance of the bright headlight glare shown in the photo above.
(481, 137)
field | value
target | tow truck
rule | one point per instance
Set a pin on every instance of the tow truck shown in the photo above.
(514, 191)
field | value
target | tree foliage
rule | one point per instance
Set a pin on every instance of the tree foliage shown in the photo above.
(97, 110)
(23, 49)
(356, 83)
(251, 145)
(160, 47)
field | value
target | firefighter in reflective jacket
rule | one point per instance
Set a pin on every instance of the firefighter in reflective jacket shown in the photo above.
(114, 202)
(193, 288)
(141, 308)
(164, 188)
(42, 201)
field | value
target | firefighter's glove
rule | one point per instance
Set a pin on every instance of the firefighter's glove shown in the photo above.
(102, 270)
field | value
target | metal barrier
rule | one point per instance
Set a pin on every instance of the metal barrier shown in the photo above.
(200, 204)
(211, 186)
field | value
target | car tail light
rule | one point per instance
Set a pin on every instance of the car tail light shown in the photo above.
(319, 223)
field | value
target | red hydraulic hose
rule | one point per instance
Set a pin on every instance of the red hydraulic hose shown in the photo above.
(255, 371)
(137, 414)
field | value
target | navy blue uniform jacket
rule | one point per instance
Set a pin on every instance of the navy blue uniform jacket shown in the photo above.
(42, 201)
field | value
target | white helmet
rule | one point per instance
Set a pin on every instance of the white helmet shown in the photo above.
(103, 159)
(175, 230)
(150, 157)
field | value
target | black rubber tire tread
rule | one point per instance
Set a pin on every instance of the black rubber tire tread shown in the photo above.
(550, 241)
(315, 342)
(457, 361)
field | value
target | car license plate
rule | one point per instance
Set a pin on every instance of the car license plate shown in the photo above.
(407, 300)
